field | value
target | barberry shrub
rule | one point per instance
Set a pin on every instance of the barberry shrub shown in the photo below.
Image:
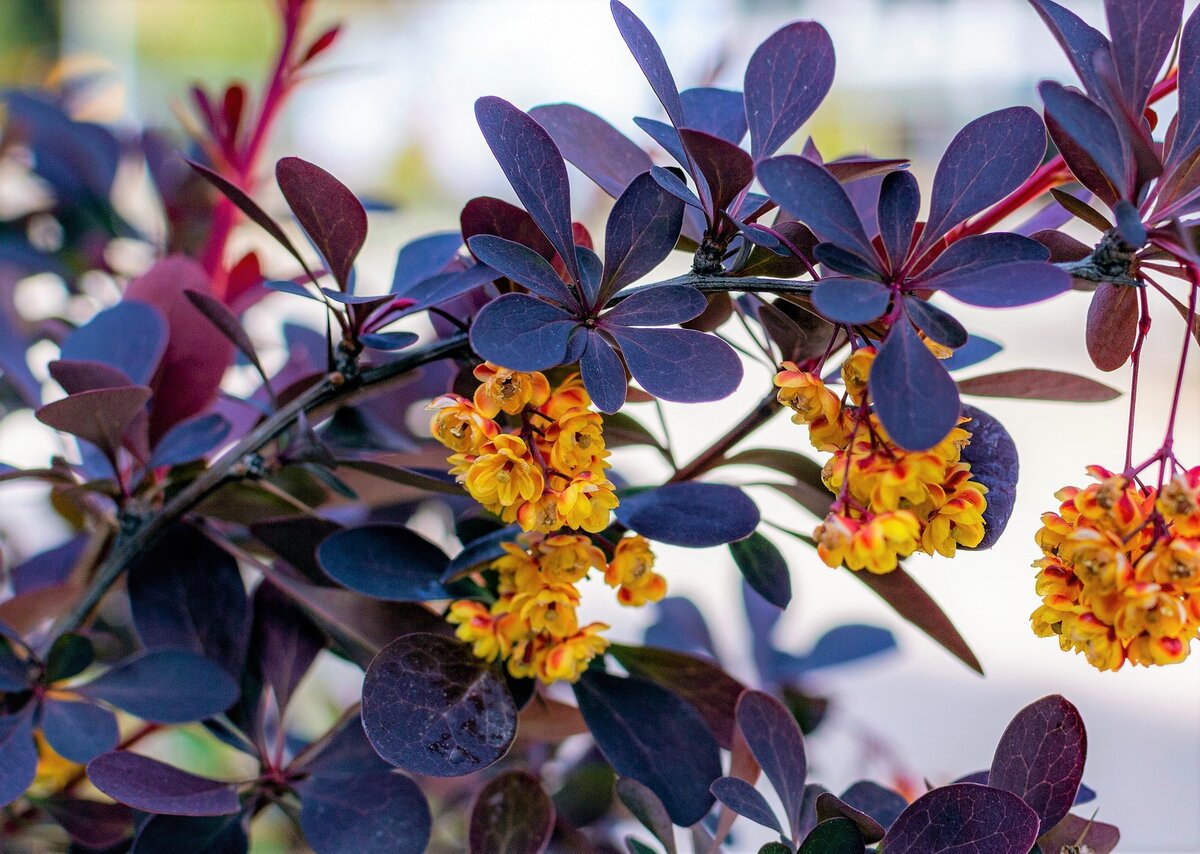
(223, 542)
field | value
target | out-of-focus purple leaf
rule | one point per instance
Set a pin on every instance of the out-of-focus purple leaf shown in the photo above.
(680, 365)
(423, 259)
(69, 655)
(994, 462)
(430, 707)
(522, 333)
(77, 159)
(964, 818)
(228, 325)
(650, 734)
(535, 169)
(899, 203)
(170, 686)
(18, 755)
(388, 341)
(836, 259)
(807, 191)
(249, 207)
(284, 641)
(446, 286)
(367, 300)
(746, 801)
(720, 112)
(152, 786)
(385, 561)
(879, 803)
(1091, 129)
(690, 514)
(130, 336)
(986, 160)
(76, 376)
(681, 627)
(92, 824)
(523, 266)
(725, 168)
(46, 569)
(648, 809)
(1129, 223)
(100, 416)
(843, 644)
(1097, 837)
(190, 440)
(329, 213)
(511, 814)
(787, 77)
(976, 350)
(166, 834)
(915, 398)
(935, 323)
(1039, 384)
(1112, 325)
(855, 301)
(595, 147)
(642, 229)
(650, 59)
(603, 374)
(661, 305)
(775, 739)
(764, 568)
(78, 731)
(1182, 178)
(1040, 758)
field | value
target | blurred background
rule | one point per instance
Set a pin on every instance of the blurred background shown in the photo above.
(390, 113)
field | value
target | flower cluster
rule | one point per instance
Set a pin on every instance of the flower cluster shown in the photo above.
(546, 472)
(890, 502)
(1120, 572)
(533, 626)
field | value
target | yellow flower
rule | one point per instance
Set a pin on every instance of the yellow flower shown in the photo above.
(1175, 561)
(576, 441)
(1098, 558)
(459, 426)
(1097, 640)
(806, 394)
(1179, 503)
(631, 571)
(1148, 650)
(587, 502)
(504, 473)
(568, 395)
(833, 537)
(540, 514)
(907, 480)
(856, 370)
(549, 610)
(567, 558)
(567, 659)
(1149, 609)
(478, 627)
(879, 543)
(502, 390)
(957, 522)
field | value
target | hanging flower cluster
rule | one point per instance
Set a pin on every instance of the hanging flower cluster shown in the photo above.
(548, 470)
(533, 626)
(890, 502)
(1120, 575)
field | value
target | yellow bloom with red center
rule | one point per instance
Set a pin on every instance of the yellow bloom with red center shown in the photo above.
(567, 558)
(806, 394)
(587, 502)
(541, 514)
(1150, 609)
(903, 482)
(631, 571)
(1098, 559)
(489, 631)
(957, 521)
(549, 609)
(459, 425)
(1179, 503)
(856, 370)
(566, 396)
(502, 390)
(1148, 650)
(577, 441)
(878, 544)
(504, 474)
(567, 659)
(833, 537)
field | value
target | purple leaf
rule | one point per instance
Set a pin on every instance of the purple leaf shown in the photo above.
(843, 644)
(1089, 834)
(659, 305)
(190, 440)
(18, 755)
(648, 809)
(46, 569)
(78, 731)
(680, 627)
(986, 160)
(1112, 325)
(964, 818)
(853, 301)
(370, 301)
(603, 374)
(535, 169)
(915, 398)
(725, 168)
(92, 824)
(642, 229)
(830, 806)
(152, 786)
(680, 365)
(284, 641)
(227, 324)
(1039, 384)
(511, 814)
(746, 801)
(764, 568)
(879, 803)
(329, 213)
(720, 112)
(1040, 758)
(1129, 223)
(994, 462)
(76, 376)
(130, 336)
(100, 417)
(673, 184)
(447, 286)
(980, 251)
(648, 733)
(775, 739)
(1147, 30)
(249, 207)
(388, 341)
(166, 834)
(431, 707)
(523, 266)
(839, 260)
(385, 562)
(1003, 285)
(424, 258)
(667, 137)
(691, 514)
(169, 686)
(976, 350)
(807, 191)
(486, 215)
(1079, 41)
(591, 272)
(1090, 128)
(786, 79)
(1182, 178)
(595, 147)
(186, 591)
(522, 333)
(935, 323)
(650, 59)
(899, 204)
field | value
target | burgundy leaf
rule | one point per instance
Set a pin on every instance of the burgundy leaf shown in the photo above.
(485, 215)
(523, 266)
(595, 147)
(100, 417)
(899, 203)
(650, 59)
(726, 169)
(522, 333)
(1039, 384)
(1112, 325)
(853, 301)
(511, 814)
(92, 824)
(850, 170)
(249, 207)
(1097, 837)
(155, 787)
(1183, 179)
(1081, 210)
(915, 398)
(78, 375)
(680, 365)
(535, 169)
(227, 323)
(658, 305)
(329, 213)
(642, 229)
(964, 818)
(691, 514)
(786, 79)
(720, 112)
(775, 740)
(1079, 41)
(603, 374)
(1091, 129)
(1040, 758)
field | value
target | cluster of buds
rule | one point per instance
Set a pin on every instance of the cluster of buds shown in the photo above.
(1120, 572)
(548, 470)
(533, 626)
(890, 502)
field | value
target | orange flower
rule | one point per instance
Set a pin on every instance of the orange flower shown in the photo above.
(631, 571)
(508, 391)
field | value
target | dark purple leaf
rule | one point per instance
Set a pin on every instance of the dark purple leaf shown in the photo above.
(511, 814)
(190, 440)
(284, 641)
(170, 686)
(853, 301)
(786, 79)
(680, 365)
(764, 568)
(167, 834)
(964, 818)
(1112, 325)
(385, 561)
(92, 824)
(69, 655)
(47, 569)
(648, 809)
(777, 744)
(152, 786)
(899, 203)
(725, 168)
(78, 731)
(986, 160)
(1129, 224)
(1040, 758)
(523, 266)
(424, 258)
(976, 350)
(710, 690)
(720, 112)
(186, 591)
(1089, 834)
(249, 207)
(594, 146)
(915, 398)
(642, 229)
(659, 305)
(992, 455)
(980, 251)
(830, 806)
(227, 323)
(130, 336)
(673, 184)
(1039, 384)
(690, 514)
(680, 627)
(16, 675)
(1146, 31)
(591, 273)
(746, 801)
(1182, 177)
(100, 417)
(1091, 129)
(1078, 208)
(935, 323)
(388, 341)
(844, 644)
(807, 191)
(447, 286)
(329, 213)
(650, 59)
(18, 755)
(76, 376)
(431, 707)
(486, 215)
(603, 374)
(535, 169)
(1079, 41)
(522, 333)
(874, 800)
(368, 301)
(650, 734)
(839, 260)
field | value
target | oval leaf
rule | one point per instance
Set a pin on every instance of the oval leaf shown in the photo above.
(680, 365)
(1039, 384)
(964, 818)
(1112, 325)
(746, 801)
(692, 515)
(764, 568)
(522, 333)
(915, 398)
(330, 214)
(147, 784)
(511, 814)
(78, 731)
(787, 77)
(775, 739)
(992, 454)
(169, 686)
(385, 561)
